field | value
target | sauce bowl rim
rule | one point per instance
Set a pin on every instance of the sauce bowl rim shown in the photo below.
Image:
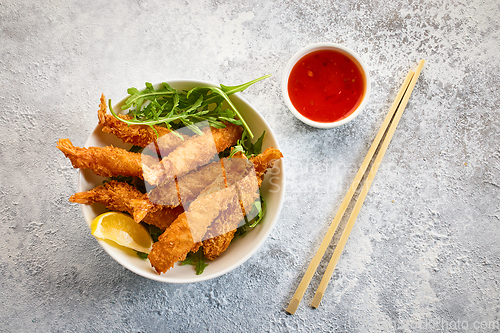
(317, 47)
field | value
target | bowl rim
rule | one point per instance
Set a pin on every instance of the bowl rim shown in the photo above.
(316, 47)
(268, 225)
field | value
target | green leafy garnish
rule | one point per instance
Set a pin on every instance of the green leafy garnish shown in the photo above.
(260, 206)
(142, 255)
(124, 179)
(173, 109)
(197, 259)
(236, 149)
(258, 211)
(136, 149)
(246, 146)
(154, 231)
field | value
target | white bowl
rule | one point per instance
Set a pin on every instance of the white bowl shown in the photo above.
(241, 249)
(317, 47)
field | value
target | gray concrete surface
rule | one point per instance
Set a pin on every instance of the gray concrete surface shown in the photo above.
(424, 254)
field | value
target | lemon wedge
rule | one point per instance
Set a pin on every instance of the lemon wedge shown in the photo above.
(123, 230)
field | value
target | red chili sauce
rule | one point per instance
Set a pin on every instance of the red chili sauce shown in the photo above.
(326, 86)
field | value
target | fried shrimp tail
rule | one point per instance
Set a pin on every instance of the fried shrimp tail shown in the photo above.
(114, 195)
(106, 161)
(138, 135)
(265, 161)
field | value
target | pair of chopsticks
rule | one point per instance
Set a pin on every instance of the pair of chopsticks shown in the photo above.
(388, 128)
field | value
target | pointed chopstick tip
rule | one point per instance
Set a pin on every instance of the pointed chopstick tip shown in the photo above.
(292, 307)
(317, 300)
(420, 65)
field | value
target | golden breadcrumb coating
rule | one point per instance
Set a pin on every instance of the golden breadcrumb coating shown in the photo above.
(117, 196)
(196, 151)
(106, 161)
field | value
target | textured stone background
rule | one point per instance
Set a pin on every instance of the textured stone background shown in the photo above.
(424, 254)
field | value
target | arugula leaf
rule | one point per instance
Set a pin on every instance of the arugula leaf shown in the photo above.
(142, 255)
(171, 108)
(154, 231)
(196, 259)
(226, 98)
(136, 149)
(125, 179)
(234, 89)
(255, 148)
(246, 146)
(236, 149)
(261, 207)
(137, 98)
(258, 210)
(200, 267)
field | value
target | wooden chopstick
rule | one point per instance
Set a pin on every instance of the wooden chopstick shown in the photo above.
(366, 186)
(398, 104)
(313, 265)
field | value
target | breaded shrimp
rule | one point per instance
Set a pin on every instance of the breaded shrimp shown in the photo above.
(103, 161)
(193, 153)
(188, 229)
(138, 135)
(220, 234)
(223, 206)
(189, 186)
(265, 161)
(222, 230)
(117, 196)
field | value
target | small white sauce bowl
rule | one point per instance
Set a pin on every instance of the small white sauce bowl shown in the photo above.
(318, 47)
